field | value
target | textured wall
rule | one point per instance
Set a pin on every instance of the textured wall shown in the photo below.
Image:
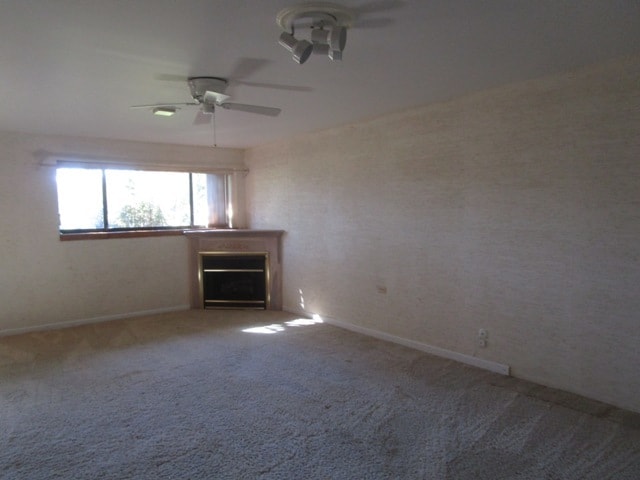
(44, 281)
(516, 210)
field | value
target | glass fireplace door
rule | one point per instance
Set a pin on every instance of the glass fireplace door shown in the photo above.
(234, 280)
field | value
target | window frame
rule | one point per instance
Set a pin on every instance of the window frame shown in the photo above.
(152, 231)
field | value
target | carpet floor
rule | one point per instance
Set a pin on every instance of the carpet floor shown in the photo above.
(266, 395)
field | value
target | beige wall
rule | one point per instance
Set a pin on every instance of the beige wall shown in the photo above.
(516, 210)
(43, 281)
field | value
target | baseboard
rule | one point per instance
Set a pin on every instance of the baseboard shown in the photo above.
(423, 347)
(86, 321)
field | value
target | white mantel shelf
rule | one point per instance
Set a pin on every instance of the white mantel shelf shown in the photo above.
(232, 240)
(226, 232)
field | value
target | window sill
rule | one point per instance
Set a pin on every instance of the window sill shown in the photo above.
(107, 235)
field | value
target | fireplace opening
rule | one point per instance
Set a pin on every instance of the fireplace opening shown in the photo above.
(234, 280)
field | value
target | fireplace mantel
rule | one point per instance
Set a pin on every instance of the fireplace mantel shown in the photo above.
(234, 241)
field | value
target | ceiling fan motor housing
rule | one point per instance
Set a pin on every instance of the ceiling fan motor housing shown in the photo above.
(199, 86)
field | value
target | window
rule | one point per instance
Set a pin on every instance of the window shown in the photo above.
(113, 199)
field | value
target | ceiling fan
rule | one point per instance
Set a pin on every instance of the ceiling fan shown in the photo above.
(208, 93)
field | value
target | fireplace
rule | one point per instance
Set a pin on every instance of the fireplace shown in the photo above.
(235, 268)
(234, 280)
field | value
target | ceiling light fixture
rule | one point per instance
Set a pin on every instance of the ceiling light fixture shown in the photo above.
(300, 49)
(328, 25)
(335, 37)
(165, 111)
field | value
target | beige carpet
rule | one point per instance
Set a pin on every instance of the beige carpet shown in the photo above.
(235, 395)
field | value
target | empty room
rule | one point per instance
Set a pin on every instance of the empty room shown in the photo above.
(362, 239)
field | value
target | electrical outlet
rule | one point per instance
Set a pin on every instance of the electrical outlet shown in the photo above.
(482, 343)
(483, 333)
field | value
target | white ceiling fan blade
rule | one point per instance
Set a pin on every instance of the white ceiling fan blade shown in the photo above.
(269, 111)
(215, 97)
(247, 67)
(273, 86)
(202, 118)
(170, 77)
(164, 105)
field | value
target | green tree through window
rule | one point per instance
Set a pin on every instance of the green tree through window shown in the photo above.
(143, 214)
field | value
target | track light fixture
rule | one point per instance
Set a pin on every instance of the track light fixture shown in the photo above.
(334, 37)
(300, 49)
(328, 30)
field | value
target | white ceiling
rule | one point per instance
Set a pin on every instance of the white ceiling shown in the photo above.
(74, 67)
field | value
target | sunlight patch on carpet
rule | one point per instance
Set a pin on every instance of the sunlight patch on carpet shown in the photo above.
(279, 327)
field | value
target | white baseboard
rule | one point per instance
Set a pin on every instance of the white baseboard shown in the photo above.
(423, 347)
(85, 321)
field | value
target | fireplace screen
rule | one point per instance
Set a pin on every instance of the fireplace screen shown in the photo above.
(234, 280)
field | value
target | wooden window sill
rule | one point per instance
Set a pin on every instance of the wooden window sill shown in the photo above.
(109, 235)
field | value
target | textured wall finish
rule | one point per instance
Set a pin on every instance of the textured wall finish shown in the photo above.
(44, 281)
(516, 210)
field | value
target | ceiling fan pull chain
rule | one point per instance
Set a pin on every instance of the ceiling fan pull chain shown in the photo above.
(213, 122)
